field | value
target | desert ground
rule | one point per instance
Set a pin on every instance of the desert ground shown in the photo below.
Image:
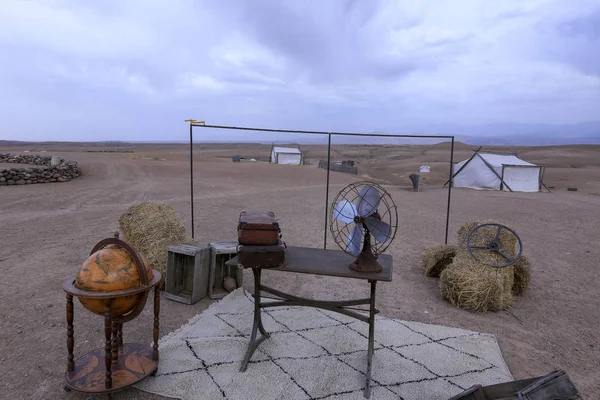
(48, 230)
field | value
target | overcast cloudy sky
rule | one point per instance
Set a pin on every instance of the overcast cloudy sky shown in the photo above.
(135, 70)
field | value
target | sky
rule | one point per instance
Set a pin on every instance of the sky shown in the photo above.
(89, 70)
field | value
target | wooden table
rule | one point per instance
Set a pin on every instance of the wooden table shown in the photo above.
(305, 260)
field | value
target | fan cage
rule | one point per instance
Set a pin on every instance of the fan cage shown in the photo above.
(341, 231)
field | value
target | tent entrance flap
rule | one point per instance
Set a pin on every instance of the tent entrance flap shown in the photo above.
(523, 178)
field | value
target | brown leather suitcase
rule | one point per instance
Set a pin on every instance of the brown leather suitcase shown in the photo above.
(258, 228)
(270, 256)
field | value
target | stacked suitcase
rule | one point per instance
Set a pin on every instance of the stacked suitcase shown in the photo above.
(259, 240)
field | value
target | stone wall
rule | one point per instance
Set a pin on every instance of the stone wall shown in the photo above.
(63, 172)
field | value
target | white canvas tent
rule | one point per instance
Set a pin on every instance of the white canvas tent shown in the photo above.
(498, 172)
(286, 155)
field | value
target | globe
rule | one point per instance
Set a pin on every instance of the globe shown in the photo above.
(109, 269)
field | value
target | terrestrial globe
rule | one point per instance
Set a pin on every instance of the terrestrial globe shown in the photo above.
(109, 269)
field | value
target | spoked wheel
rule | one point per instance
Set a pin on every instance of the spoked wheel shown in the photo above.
(494, 245)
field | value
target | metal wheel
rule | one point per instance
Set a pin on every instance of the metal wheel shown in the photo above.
(494, 246)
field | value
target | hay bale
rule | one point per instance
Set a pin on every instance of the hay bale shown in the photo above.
(522, 275)
(150, 228)
(436, 258)
(475, 287)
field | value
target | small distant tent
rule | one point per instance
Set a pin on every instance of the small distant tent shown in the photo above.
(498, 172)
(425, 168)
(286, 155)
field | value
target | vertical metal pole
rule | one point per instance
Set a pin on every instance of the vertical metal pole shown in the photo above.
(367, 393)
(327, 190)
(192, 179)
(451, 183)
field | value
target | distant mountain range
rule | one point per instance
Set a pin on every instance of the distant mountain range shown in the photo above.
(529, 140)
(506, 134)
(531, 134)
(502, 134)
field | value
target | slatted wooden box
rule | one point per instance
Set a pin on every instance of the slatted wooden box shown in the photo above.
(221, 252)
(188, 272)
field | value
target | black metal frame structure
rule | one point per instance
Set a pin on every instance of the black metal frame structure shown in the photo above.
(202, 124)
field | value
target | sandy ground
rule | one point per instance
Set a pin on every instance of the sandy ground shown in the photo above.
(48, 230)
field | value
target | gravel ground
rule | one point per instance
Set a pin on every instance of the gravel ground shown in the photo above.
(47, 231)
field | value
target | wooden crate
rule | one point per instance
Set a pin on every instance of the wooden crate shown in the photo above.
(188, 272)
(221, 252)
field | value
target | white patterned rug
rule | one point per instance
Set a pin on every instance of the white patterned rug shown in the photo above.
(316, 354)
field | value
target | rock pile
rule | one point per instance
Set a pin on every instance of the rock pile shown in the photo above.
(63, 172)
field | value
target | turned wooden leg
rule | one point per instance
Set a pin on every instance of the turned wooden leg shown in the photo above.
(115, 343)
(120, 334)
(70, 338)
(107, 343)
(156, 312)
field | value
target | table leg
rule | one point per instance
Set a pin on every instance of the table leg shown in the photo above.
(261, 328)
(70, 337)
(367, 392)
(257, 325)
(107, 344)
(156, 322)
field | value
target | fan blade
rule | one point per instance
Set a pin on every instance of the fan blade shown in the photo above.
(355, 240)
(379, 229)
(344, 211)
(369, 201)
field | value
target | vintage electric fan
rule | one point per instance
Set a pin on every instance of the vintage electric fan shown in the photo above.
(363, 223)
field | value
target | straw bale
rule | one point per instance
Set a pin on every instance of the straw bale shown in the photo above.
(436, 258)
(151, 227)
(522, 275)
(472, 286)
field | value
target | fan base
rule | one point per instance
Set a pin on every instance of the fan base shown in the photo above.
(366, 263)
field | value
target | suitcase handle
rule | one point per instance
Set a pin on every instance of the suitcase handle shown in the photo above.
(237, 248)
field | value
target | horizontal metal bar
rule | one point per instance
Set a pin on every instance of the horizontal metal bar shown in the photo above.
(522, 166)
(335, 306)
(241, 128)
(303, 302)
(348, 313)
(317, 304)
(337, 303)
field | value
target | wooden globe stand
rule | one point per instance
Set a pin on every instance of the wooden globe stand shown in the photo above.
(124, 364)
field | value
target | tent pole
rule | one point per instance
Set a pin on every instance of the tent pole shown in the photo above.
(449, 189)
(494, 171)
(464, 165)
(543, 172)
(502, 178)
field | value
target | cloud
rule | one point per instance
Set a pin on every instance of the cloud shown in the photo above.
(344, 64)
